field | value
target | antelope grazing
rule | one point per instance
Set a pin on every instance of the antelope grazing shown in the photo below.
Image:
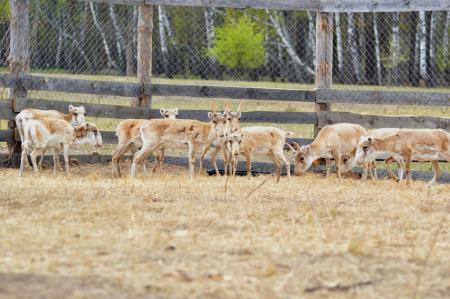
(129, 140)
(177, 133)
(43, 133)
(369, 166)
(420, 144)
(233, 123)
(75, 117)
(333, 141)
(268, 141)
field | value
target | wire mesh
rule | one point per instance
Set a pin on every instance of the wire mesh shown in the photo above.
(402, 50)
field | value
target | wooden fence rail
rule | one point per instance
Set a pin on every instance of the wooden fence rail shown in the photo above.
(383, 121)
(123, 89)
(312, 5)
(381, 97)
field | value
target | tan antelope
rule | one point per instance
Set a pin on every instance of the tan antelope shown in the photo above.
(333, 141)
(128, 134)
(178, 133)
(356, 157)
(233, 123)
(76, 116)
(409, 144)
(43, 133)
(268, 141)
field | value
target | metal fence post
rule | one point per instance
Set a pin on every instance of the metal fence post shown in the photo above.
(324, 60)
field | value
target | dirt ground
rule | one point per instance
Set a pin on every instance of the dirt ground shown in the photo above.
(88, 235)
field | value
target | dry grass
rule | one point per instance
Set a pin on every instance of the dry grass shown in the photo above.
(90, 235)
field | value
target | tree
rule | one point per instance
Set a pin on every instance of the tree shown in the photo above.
(377, 47)
(395, 46)
(340, 59)
(432, 49)
(353, 44)
(280, 27)
(238, 45)
(445, 47)
(422, 29)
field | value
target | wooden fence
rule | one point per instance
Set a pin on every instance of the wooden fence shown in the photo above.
(19, 81)
(10, 107)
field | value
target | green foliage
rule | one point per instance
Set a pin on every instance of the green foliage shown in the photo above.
(4, 10)
(239, 45)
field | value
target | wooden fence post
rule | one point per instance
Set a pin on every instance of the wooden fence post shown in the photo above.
(324, 59)
(18, 60)
(144, 52)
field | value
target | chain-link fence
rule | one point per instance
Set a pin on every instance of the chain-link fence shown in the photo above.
(377, 49)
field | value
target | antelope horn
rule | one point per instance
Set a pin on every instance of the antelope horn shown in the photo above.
(290, 147)
(239, 107)
(213, 106)
(227, 105)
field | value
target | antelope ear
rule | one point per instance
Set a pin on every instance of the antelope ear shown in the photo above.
(239, 115)
(176, 111)
(308, 149)
(71, 108)
(161, 111)
(82, 108)
(210, 115)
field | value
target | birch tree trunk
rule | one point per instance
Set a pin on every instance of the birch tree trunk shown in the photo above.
(413, 49)
(120, 40)
(168, 27)
(395, 46)
(283, 35)
(34, 50)
(377, 48)
(340, 58)
(422, 49)
(209, 25)
(432, 50)
(417, 49)
(361, 41)
(163, 39)
(111, 63)
(311, 37)
(83, 29)
(210, 15)
(59, 43)
(445, 50)
(131, 43)
(352, 43)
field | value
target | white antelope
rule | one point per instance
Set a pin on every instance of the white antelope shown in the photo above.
(233, 123)
(268, 141)
(409, 144)
(129, 140)
(76, 116)
(333, 141)
(43, 133)
(177, 133)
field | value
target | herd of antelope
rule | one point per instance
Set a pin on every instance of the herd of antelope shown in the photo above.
(347, 144)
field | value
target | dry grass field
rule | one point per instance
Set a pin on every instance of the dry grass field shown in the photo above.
(90, 236)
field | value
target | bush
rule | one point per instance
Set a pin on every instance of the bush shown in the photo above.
(239, 45)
